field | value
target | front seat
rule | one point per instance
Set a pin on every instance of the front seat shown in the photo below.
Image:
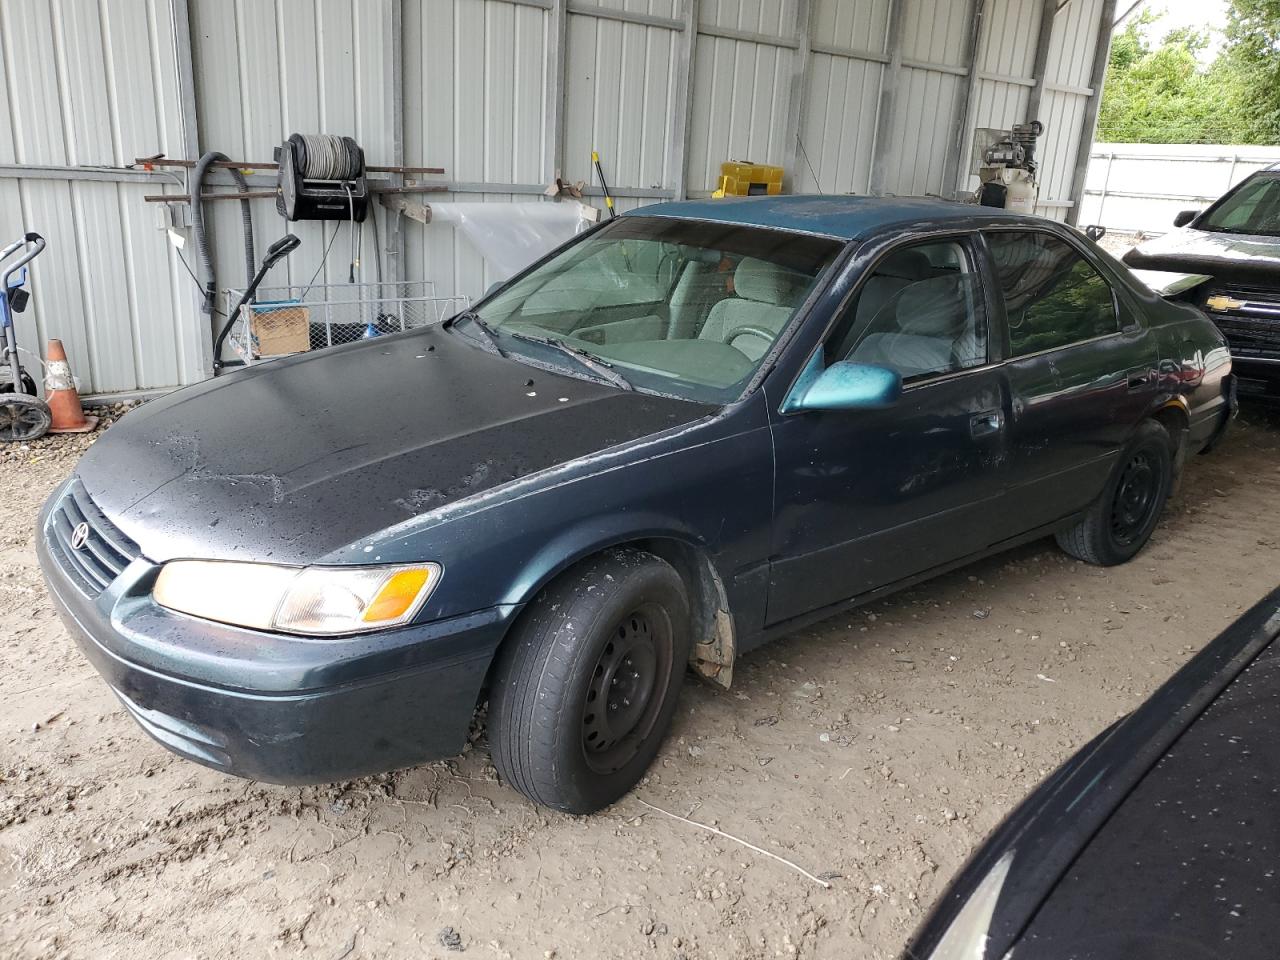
(765, 297)
(932, 322)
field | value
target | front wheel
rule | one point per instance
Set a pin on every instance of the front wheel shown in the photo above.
(586, 686)
(1121, 521)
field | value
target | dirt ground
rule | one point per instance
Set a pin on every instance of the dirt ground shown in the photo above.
(875, 749)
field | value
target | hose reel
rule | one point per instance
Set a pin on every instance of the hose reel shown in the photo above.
(321, 177)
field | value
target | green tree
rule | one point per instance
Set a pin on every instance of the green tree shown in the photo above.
(1248, 70)
(1161, 94)
(1164, 94)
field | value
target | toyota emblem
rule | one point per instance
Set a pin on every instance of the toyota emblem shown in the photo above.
(79, 536)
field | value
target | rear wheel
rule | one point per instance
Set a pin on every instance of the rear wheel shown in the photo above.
(1121, 521)
(587, 684)
(23, 417)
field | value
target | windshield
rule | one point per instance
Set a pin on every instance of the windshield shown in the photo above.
(673, 306)
(1254, 208)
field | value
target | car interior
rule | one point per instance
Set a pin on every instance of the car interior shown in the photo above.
(916, 313)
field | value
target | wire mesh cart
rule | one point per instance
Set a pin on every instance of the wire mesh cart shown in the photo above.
(288, 320)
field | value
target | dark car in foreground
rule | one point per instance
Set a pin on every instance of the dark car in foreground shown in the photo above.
(686, 432)
(1235, 246)
(1160, 839)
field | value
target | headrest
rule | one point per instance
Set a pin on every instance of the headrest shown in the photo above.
(906, 265)
(764, 282)
(933, 308)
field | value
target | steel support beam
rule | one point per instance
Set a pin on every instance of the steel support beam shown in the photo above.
(797, 101)
(889, 81)
(1089, 126)
(964, 103)
(1040, 65)
(554, 109)
(201, 338)
(682, 114)
(37, 171)
(393, 95)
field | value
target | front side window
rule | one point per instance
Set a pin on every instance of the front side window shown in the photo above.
(1253, 208)
(918, 312)
(1053, 297)
(687, 308)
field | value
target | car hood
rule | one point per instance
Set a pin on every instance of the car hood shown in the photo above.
(293, 459)
(1227, 257)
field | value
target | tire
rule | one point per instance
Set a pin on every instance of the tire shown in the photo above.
(23, 418)
(567, 727)
(1121, 520)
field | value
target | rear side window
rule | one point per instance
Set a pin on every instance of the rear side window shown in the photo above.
(1053, 297)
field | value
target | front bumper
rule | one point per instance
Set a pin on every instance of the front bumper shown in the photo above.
(275, 708)
(1259, 379)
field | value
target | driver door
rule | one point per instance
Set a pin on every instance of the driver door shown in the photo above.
(868, 498)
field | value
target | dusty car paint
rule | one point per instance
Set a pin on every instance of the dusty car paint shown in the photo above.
(1155, 840)
(424, 447)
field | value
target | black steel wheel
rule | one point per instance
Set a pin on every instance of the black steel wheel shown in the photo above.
(586, 685)
(1121, 521)
(1137, 495)
(623, 698)
(23, 417)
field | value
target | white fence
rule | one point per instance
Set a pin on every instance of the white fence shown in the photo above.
(1141, 186)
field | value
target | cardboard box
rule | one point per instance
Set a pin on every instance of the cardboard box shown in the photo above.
(279, 328)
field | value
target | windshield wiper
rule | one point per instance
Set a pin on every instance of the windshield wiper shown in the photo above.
(486, 331)
(593, 363)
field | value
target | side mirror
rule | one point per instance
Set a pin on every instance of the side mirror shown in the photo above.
(843, 386)
(1184, 217)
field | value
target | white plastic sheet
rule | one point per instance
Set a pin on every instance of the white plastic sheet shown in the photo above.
(510, 236)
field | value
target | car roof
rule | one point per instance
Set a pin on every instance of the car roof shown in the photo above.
(841, 217)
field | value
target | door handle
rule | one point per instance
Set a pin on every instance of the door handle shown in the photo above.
(986, 424)
(1138, 379)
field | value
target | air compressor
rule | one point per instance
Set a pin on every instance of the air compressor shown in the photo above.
(1008, 170)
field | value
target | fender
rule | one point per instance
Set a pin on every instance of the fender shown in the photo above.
(715, 636)
(585, 538)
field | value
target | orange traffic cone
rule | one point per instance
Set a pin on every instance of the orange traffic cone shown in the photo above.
(60, 394)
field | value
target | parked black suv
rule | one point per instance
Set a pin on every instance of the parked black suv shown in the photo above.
(1236, 242)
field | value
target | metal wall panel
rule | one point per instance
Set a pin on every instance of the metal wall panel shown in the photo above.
(921, 132)
(770, 17)
(619, 94)
(95, 84)
(740, 100)
(837, 132)
(1062, 111)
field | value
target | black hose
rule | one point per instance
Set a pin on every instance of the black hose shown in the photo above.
(205, 264)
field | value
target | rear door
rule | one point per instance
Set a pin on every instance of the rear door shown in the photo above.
(866, 498)
(1082, 372)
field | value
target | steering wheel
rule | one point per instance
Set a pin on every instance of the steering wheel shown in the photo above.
(752, 330)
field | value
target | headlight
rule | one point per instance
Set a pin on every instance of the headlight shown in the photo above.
(306, 600)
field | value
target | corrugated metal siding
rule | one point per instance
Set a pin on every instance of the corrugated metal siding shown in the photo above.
(1006, 49)
(1070, 64)
(476, 75)
(96, 84)
(842, 94)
